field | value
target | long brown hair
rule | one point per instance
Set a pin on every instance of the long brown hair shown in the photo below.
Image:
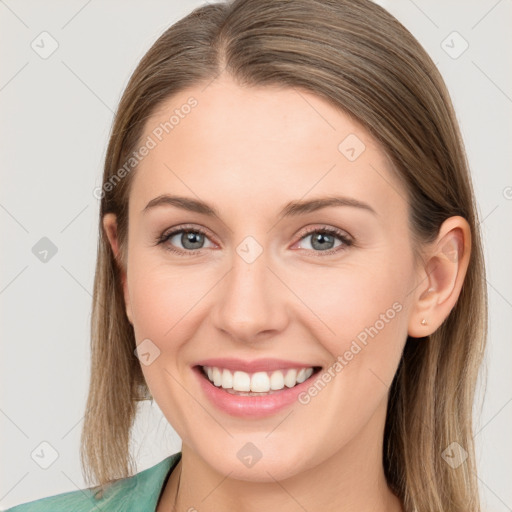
(357, 56)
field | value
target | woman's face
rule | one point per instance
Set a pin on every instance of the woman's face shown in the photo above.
(253, 291)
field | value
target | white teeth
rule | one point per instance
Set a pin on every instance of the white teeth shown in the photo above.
(227, 379)
(290, 378)
(241, 381)
(217, 377)
(277, 380)
(301, 376)
(259, 382)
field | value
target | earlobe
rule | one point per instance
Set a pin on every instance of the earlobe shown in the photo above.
(110, 228)
(441, 277)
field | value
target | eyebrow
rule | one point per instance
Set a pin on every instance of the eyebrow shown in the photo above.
(291, 209)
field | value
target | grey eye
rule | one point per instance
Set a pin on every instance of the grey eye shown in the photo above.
(322, 241)
(190, 239)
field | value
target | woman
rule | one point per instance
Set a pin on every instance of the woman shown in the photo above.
(290, 265)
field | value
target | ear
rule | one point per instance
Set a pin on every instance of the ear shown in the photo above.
(441, 277)
(110, 227)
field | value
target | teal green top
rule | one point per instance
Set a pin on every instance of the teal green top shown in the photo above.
(138, 493)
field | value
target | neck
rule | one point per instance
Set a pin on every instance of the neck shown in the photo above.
(351, 480)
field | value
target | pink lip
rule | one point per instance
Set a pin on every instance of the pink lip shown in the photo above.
(250, 406)
(258, 365)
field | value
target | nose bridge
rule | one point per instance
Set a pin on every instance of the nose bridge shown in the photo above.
(249, 302)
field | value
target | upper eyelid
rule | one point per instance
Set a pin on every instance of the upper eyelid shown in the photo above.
(178, 229)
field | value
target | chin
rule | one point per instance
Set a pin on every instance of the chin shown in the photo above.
(257, 461)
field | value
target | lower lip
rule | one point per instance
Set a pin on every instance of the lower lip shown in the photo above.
(250, 406)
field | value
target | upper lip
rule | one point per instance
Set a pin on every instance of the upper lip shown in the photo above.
(257, 365)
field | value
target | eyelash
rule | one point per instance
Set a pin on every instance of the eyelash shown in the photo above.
(347, 242)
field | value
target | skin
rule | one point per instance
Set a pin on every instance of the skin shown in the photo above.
(249, 151)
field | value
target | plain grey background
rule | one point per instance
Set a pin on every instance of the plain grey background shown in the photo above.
(56, 113)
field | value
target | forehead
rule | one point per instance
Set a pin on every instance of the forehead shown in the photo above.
(254, 147)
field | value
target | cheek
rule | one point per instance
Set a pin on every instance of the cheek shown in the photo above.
(161, 297)
(363, 310)
(165, 303)
(347, 300)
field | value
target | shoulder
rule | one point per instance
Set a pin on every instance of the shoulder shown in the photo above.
(138, 492)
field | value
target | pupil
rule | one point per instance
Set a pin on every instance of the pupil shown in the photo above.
(193, 238)
(322, 239)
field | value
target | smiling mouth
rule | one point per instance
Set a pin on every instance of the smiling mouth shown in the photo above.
(259, 383)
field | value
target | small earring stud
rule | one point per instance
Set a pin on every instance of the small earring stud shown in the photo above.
(423, 322)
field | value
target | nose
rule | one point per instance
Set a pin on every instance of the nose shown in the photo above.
(251, 302)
